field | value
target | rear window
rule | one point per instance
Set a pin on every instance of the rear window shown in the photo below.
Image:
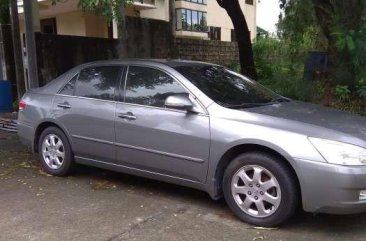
(69, 87)
(98, 82)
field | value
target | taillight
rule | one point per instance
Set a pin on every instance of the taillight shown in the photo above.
(22, 105)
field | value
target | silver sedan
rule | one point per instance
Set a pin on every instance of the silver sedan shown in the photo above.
(203, 126)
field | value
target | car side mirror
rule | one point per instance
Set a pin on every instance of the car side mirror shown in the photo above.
(179, 102)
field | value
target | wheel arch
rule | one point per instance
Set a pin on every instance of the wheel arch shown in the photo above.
(41, 127)
(239, 149)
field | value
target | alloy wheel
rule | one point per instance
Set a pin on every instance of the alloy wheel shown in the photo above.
(53, 151)
(256, 191)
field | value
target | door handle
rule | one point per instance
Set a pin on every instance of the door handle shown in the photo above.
(127, 116)
(64, 105)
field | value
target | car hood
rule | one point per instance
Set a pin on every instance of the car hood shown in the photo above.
(316, 115)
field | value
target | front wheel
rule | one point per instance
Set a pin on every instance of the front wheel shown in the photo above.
(55, 152)
(260, 189)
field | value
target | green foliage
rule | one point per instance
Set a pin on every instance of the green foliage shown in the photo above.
(335, 26)
(351, 43)
(362, 89)
(298, 26)
(235, 66)
(341, 33)
(362, 92)
(319, 91)
(109, 9)
(280, 66)
(16, 105)
(4, 12)
(342, 92)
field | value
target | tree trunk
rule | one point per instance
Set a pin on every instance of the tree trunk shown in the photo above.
(172, 21)
(122, 35)
(18, 55)
(242, 33)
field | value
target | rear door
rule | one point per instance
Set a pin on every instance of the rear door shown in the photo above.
(86, 109)
(151, 137)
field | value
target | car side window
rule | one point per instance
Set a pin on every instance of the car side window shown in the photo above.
(148, 86)
(98, 82)
(69, 87)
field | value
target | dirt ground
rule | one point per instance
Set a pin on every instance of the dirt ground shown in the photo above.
(95, 204)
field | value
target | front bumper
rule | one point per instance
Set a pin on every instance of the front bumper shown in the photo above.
(328, 188)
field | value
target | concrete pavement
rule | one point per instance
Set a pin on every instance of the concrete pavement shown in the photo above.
(94, 204)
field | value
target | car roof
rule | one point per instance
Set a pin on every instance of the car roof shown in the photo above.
(55, 85)
(168, 62)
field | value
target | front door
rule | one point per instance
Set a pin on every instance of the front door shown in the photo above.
(154, 138)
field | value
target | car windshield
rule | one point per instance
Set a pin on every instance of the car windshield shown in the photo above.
(228, 88)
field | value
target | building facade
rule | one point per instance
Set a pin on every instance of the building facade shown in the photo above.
(203, 19)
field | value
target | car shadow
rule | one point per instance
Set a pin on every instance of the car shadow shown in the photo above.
(326, 223)
(301, 221)
(145, 185)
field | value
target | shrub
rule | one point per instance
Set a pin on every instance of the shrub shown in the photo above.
(342, 92)
(277, 69)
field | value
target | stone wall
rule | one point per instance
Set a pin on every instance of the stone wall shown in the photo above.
(211, 51)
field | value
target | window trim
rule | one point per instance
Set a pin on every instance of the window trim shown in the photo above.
(203, 110)
(63, 86)
(86, 98)
(191, 1)
(190, 30)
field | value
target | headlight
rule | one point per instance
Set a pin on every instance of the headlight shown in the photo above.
(340, 153)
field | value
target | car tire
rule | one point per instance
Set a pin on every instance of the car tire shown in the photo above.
(267, 195)
(55, 152)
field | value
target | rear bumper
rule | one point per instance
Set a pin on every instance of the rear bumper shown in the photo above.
(334, 189)
(26, 134)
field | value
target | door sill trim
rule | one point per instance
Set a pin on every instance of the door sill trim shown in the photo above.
(85, 161)
(187, 158)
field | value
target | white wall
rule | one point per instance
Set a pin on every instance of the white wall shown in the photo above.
(72, 23)
(77, 23)
(161, 12)
(96, 26)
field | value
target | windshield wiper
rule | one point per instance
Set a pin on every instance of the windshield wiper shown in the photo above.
(246, 105)
(280, 99)
(252, 105)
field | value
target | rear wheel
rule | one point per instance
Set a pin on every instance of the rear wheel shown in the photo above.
(55, 152)
(260, 189)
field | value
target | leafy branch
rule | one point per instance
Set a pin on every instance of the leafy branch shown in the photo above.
(109, 9)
